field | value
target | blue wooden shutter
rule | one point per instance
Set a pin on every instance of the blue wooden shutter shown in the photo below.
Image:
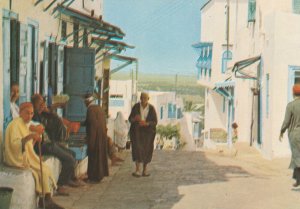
(23, 64)
(14, 50)
(251, 10)
(296, 6)
(60, 72)
(60, 69)
(45, 69)
(79, 80)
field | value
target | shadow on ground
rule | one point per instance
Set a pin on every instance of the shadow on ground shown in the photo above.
(169, 170)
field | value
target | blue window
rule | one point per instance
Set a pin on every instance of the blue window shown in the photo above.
(203, 65)
(267, 94)
(227, 56)
(251, 10)
(116, 102)
(171, 110)
(296, 6)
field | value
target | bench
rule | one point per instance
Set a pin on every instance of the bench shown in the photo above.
(22, 181)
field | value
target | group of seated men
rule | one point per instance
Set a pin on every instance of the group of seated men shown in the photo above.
(43, 136)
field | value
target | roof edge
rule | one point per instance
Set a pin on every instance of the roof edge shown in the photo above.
(204, 5)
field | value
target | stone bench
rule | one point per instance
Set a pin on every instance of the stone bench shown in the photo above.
(22, 181)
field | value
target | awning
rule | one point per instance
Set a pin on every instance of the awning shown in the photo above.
(127, 60)
(240, 65)
(93, 24)
(200, 45)
(225, 84)
(109, 45)
(224, 88)
(67, 2)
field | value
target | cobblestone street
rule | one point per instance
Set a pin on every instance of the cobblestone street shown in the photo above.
(217, 179)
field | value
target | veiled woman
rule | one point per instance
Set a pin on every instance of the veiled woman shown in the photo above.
(120, 131)
(292, 123)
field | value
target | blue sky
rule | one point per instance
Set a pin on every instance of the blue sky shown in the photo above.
(162, 32)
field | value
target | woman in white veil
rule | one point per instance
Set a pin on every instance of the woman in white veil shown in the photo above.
(120, 131)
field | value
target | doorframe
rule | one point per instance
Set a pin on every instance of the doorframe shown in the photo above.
(291, 80)
(7, 15)
(36, 80)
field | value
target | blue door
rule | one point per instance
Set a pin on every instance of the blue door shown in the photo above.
(79, 80)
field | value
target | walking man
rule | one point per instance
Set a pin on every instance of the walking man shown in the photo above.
(142, 132)
(292, 123)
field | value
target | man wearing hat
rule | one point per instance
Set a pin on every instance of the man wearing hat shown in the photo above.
(292, 123)
(96, 140)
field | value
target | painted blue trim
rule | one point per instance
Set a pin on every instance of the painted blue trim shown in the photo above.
(296, 6)
(260, 140)
(204, 60)
(251, 10)
(291, 81)
(267, 95)
(10, 14)
(226, 56)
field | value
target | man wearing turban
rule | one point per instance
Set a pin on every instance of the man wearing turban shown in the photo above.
(19, 152)
(96, 140)
(292, 123)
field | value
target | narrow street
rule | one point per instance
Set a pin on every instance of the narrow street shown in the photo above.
(193, 180)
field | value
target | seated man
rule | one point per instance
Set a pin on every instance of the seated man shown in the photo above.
(14, 96)
(19, 152)
(52, 145)
(112, 152)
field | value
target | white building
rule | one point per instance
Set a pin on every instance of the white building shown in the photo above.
(121, 97)
(168, 107)
(248, 62)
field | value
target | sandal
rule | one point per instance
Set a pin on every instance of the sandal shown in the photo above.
(136, 174)
(146, 174)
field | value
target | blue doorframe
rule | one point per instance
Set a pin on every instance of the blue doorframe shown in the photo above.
(260, 103)
(33, 66)
(291, 80)
(6, 34)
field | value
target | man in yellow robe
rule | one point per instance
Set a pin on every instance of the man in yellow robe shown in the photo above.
(19, 152)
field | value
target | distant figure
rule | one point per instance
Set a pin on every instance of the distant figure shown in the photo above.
(292, 123)
(143, 121)
(120, 131)
(14, 96)
(235, 132)
(96, 141)
(112, 152)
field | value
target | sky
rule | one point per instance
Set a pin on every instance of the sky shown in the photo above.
(162, 32)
